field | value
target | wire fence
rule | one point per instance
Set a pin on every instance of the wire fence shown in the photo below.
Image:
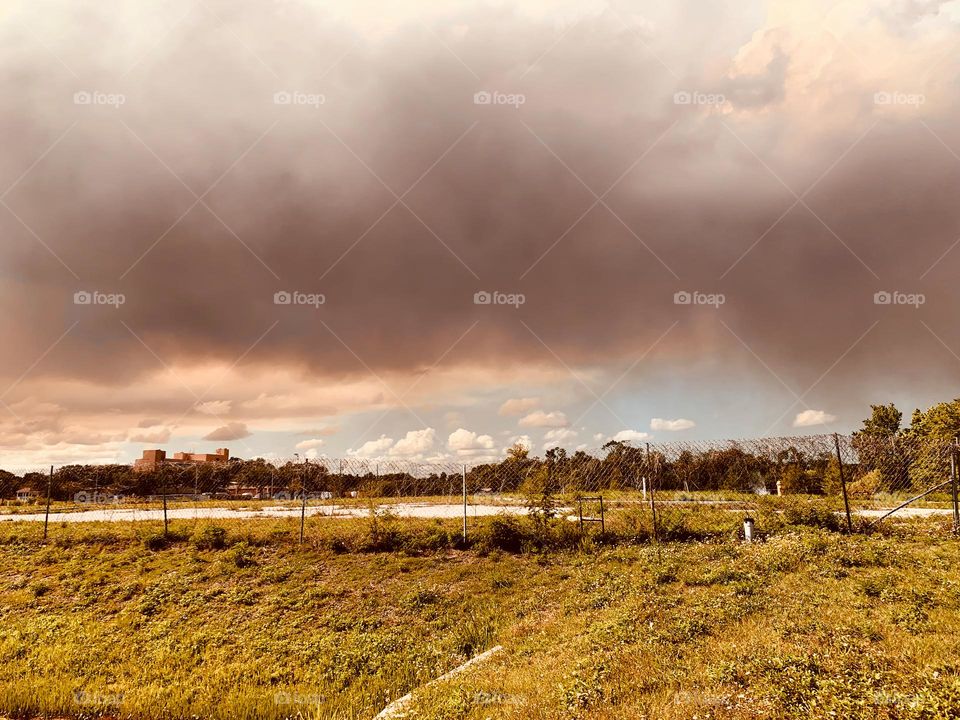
(852, 481)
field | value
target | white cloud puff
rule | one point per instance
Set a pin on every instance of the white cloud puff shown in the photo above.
(811, 418)
(541, 419)
(630, 436)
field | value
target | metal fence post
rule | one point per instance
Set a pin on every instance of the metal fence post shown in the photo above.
(843, 483)
(46, 516)
(464, 472)
(953, 485)
(653, 502)
(165, 523)
(303, 497)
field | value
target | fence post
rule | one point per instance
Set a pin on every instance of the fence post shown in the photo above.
(163, 487)
(953, 486)
(653, 502)
(46, 516)
(303, 497)
(843, 483)
(464, 472)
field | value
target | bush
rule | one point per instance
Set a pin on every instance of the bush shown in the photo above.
(241, 555)
(794, 481)
(813, 515)
(155, 541)
(212, 537)
(502, 533)
(867, 485)
(382, 533)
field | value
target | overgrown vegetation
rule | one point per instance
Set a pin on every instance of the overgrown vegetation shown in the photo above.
(233, 620)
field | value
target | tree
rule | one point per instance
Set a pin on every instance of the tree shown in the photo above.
(931, 436)
(942, 421)
(876, 443)
(884, 422)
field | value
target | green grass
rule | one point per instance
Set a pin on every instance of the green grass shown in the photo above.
(246, 623)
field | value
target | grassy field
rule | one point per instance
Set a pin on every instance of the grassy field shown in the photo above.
(239, 621)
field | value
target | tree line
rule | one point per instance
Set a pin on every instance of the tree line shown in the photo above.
(882, 455)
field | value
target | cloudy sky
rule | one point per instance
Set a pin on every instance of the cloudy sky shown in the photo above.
(422, 230)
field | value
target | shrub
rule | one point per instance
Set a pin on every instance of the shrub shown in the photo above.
(155, 541)
(812, 515)
(241, 555)
(212, 537)
(382, 533)
(867, 485)
(502, 533)
(794, 480)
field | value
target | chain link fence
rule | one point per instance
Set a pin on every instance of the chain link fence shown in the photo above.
(656, 491)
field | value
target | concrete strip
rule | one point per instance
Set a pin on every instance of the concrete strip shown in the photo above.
(397, 707)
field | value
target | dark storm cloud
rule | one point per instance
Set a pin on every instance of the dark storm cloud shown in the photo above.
(307, 205)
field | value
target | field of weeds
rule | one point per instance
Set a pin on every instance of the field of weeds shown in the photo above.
(234, 620)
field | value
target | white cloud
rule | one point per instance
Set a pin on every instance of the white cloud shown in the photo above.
(230, 431)
(415, 442)
(311, 444)
(630, 436)
(810, 418)
(373, 448)
(214, 407)
(544, 419)
(557, 437)
(518, 406)
(466, 442)
(671, 425)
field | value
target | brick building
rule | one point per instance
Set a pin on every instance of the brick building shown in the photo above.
(153, 459)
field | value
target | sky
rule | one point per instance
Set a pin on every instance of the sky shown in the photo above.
(427, 231)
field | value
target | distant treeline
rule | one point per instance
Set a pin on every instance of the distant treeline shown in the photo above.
(881, 456)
